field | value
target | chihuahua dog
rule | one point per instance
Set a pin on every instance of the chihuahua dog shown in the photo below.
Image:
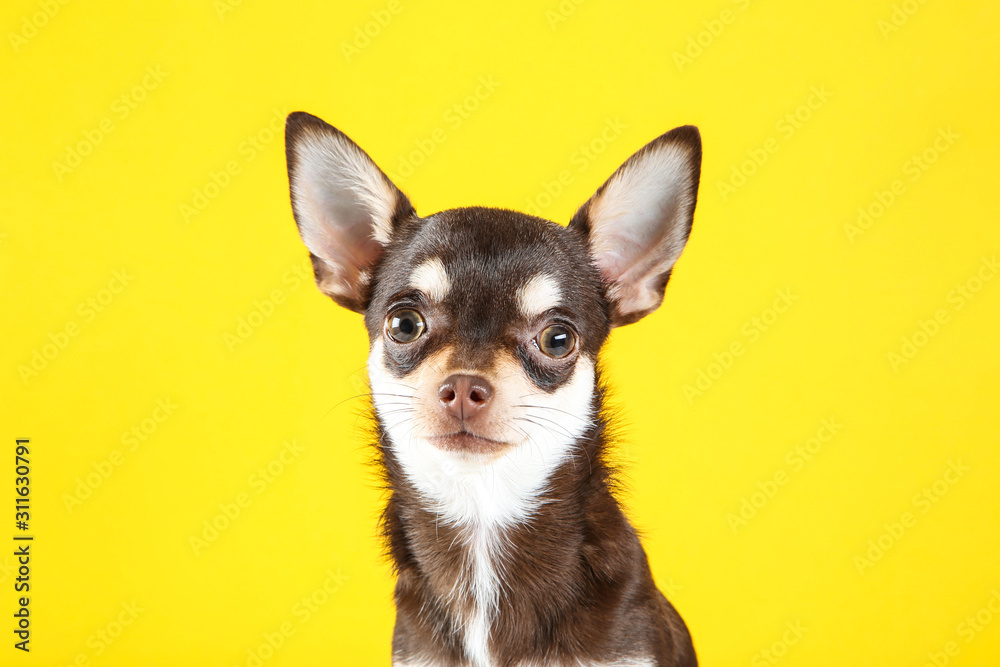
(485, 327)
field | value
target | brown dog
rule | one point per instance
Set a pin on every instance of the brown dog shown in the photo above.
(485, 328)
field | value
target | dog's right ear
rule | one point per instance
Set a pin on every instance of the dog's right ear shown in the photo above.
(345, 207)
(638, 222)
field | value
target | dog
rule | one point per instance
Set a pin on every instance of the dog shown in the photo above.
(485, 327)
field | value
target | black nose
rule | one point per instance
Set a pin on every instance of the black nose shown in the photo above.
(465, 396)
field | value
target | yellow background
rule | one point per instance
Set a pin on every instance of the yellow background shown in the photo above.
(893, 77)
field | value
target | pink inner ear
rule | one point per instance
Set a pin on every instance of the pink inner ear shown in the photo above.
(640, 245)
(619, 256)
(344, 206)
(338, 229)
(638, 226)
(347, 249)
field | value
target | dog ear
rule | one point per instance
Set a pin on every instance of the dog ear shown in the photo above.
(637, 223)
(346, 209)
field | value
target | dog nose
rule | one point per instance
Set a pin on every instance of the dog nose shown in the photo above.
(465, 396)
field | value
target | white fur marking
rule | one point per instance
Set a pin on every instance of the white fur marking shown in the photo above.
(486, 593)
(483, 495)
(637, 662)
(468, 489)
(538, 295)
(432, 279)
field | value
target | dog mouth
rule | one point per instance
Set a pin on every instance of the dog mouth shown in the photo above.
(467, 442)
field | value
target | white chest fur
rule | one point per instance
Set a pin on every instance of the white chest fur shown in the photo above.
(482, 495)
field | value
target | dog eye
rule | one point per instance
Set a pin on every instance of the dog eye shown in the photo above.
(557, 341)
(405, 325)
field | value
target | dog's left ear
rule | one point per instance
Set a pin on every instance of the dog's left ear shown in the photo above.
(638, 222)
(346, 208)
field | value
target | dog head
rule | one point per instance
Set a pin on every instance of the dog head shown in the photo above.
(485, 324)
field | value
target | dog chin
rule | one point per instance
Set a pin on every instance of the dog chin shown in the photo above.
(465, 443)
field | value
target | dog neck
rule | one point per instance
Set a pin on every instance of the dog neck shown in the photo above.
(489, 591)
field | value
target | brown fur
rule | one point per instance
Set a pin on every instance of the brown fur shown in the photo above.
(575, 583)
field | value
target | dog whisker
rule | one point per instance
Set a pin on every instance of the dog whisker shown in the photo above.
(562, 429)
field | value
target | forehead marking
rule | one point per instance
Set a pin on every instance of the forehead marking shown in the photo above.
(538, 295)
(431, 279)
